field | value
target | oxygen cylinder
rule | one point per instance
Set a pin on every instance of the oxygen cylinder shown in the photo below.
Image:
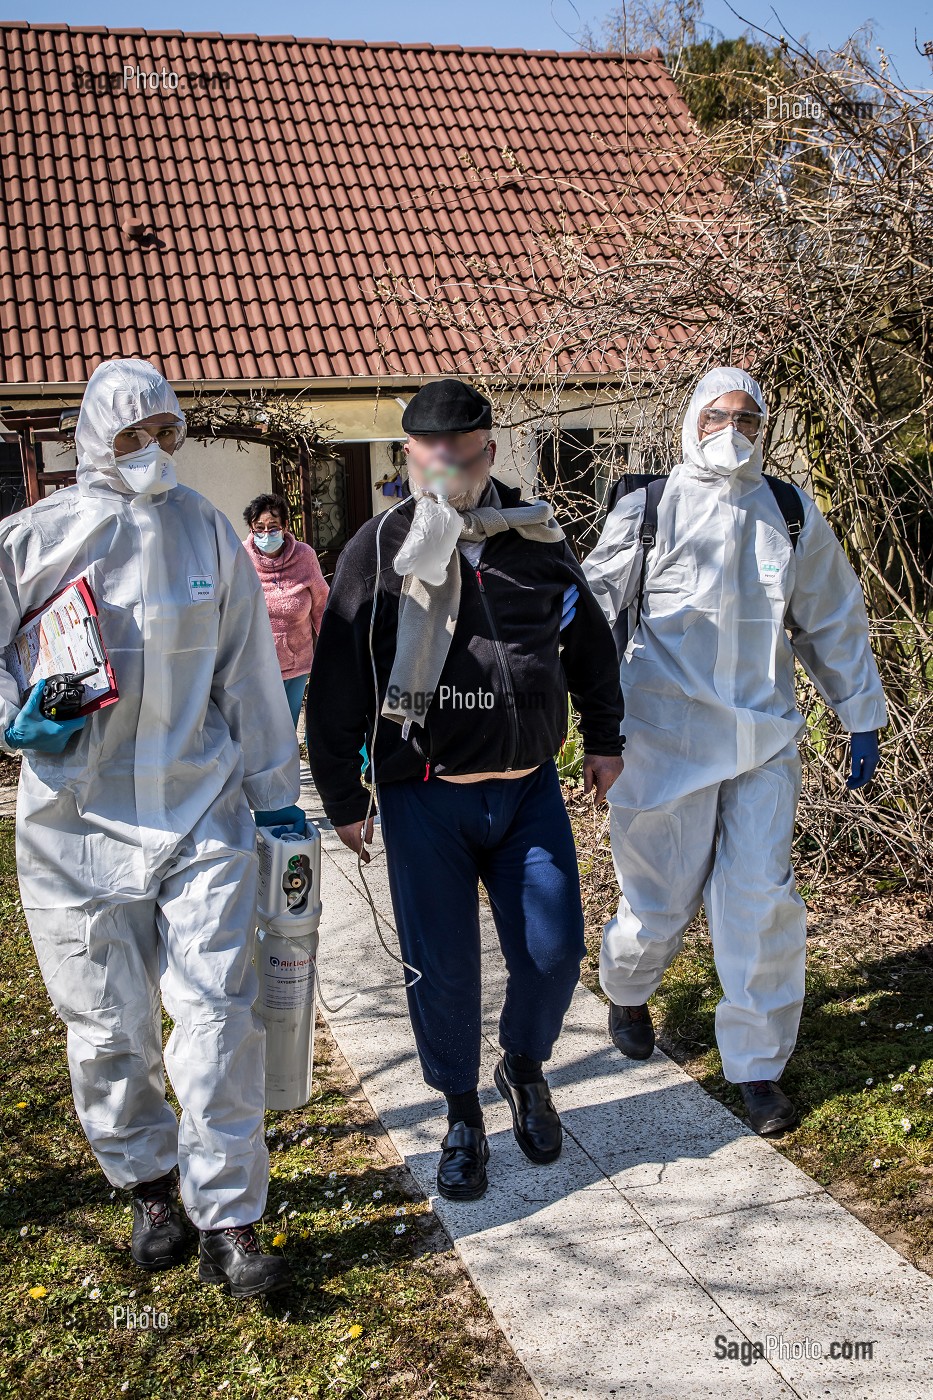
(288, 914)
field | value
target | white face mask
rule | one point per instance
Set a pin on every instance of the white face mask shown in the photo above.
(727, 451)
(147, 471)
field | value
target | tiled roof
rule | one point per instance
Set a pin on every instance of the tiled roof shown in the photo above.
(276, 201)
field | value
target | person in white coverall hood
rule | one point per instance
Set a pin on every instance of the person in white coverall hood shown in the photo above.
(704, 810)
(135, 845)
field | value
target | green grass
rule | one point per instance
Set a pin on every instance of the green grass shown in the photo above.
(864, 1057)
(381, 1306)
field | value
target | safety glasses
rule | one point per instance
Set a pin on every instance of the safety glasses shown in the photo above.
(131, 440)
(747, 423)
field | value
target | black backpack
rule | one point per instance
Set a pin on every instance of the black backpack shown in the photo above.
(786, 495)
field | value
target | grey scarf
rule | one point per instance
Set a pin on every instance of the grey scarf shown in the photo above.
(427, 613)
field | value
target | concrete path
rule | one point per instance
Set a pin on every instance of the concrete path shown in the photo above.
(665, 1232)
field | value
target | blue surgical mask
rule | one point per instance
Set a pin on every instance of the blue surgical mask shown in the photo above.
(269, 542)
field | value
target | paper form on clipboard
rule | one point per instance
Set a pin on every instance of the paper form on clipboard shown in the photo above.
(63, 636)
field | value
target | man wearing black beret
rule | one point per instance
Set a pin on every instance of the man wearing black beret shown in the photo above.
(483, 623)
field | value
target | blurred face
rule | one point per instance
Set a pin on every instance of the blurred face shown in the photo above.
(462, 461)
(737, 409)
(162, 428)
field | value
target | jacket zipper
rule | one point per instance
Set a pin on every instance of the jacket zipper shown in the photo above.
(504, 671)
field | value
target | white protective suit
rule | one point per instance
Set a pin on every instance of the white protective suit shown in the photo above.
(136, 848)
(704, 809)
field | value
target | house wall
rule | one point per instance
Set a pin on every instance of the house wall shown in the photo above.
(228, 473)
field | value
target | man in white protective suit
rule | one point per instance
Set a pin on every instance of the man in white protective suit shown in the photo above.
(135, 844)
(704, 810)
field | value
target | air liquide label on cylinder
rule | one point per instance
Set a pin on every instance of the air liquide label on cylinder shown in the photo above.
(289, 980)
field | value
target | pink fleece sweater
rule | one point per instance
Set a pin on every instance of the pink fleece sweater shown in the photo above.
(295, 591)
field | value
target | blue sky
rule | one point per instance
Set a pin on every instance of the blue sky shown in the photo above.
(513, 23)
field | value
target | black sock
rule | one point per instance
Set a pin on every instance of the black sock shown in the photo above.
(464, 1108)
(522, 1069)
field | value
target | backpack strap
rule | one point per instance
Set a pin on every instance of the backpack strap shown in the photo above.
(648, 533)
(790, 505)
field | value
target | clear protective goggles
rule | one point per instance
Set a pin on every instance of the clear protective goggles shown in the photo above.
(129, 440)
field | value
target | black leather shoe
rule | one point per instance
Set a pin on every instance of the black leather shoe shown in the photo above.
(631, 1030)
(534, 1118)
(769, 1109)
(461, 1172)
(160, 1238)
(233, 1259)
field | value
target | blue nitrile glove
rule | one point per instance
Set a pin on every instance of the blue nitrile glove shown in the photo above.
(31, 729)
(569, 606)
(292, 817)
(864, 758)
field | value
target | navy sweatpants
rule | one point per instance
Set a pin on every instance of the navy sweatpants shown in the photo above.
(514, 834)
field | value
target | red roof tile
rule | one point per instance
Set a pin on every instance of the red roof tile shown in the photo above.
(279, 201)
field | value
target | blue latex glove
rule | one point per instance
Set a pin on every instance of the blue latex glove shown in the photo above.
(31, 729)
(292, 817)
(569, 605)
(865, 758)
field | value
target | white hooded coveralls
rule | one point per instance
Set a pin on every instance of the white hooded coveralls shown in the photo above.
(704, 809)
(136, 848)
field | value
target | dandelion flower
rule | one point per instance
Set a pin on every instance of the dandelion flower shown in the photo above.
(22, 1105)
(38, 1291)
(355, 1331)
(278, 1240)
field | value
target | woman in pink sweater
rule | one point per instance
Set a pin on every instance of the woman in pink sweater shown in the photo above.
(294, 589)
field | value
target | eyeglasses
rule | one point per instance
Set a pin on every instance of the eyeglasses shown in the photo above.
(747, 423)
(132, 440)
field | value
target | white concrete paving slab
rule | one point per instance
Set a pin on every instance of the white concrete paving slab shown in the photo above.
(665, 1233)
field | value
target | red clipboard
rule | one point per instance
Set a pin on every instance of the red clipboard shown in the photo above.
(24, 654)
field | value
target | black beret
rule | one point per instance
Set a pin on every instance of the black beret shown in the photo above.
(447, 406)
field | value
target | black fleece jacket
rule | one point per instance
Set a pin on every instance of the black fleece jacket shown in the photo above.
(501, 700)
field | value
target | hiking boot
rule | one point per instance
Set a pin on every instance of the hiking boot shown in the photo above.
(232, 1259)
(160, 1238)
